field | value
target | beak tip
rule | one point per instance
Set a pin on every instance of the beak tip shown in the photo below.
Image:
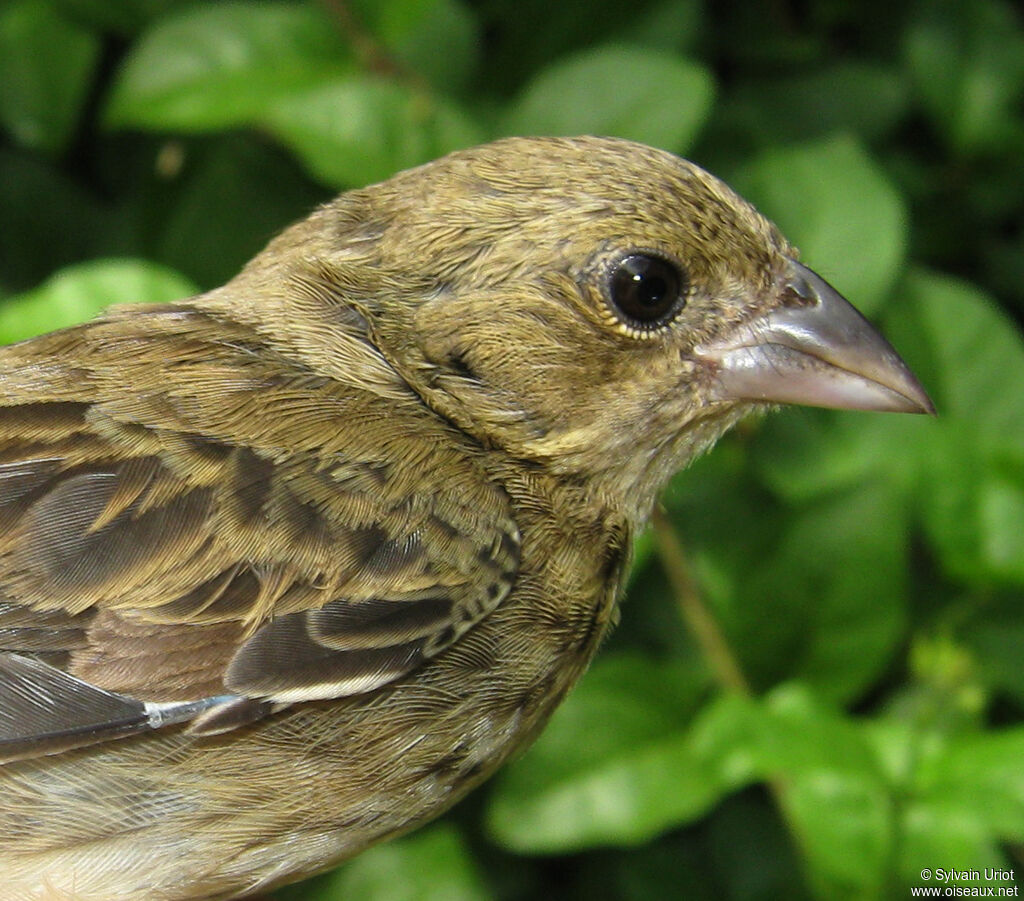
(917, 406)
(821, 353)
(902, 382)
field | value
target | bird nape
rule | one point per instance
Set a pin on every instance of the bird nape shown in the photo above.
(289, 567)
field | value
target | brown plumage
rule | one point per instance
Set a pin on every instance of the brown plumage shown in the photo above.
(288, 567)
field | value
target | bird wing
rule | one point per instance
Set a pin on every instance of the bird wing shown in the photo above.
(193, 527)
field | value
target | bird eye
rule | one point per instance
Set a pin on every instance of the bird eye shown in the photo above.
(646, 291)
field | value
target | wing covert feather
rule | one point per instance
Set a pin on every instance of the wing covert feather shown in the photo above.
(231, 525)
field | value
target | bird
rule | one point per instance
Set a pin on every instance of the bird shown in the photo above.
(287, 568)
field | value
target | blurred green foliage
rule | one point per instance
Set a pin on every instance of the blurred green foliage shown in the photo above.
(866, 572)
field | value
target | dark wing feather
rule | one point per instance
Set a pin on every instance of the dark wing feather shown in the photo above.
(44, 710)
(191, 525)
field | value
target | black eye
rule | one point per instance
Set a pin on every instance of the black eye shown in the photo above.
(646, 291)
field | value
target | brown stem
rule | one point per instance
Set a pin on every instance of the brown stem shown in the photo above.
(716, 649)
(372, 54)
(702, 623)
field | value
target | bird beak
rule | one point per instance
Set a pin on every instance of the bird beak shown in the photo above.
(818, 351)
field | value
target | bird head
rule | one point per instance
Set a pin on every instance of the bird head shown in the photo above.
(594, 305)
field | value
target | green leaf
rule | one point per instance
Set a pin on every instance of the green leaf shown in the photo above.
(974, 353)
(584, 784)
(957, 795)
(357, 130)
(832, 791)
(973, 513)
(234, 193)
(753, 856)
(965, 469)
(643, 551)
(979, 776)
(46, 219)
(803, 453)
(972, 491)
(80, 292)
(665, 25)
(645, 95)
(849, 96)
(432, 865)
(967, 63)
(815, 590)
(842, 564)
(124, 17)
(834, 202)
(436, 39)
(649, 872)
(995, 635)
(219, 65)
(46, 66)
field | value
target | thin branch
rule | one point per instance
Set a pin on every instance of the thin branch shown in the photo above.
(716, 650)
(372, 54)
(698, 617)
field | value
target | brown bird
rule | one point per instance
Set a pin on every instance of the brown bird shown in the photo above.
(289, 567)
